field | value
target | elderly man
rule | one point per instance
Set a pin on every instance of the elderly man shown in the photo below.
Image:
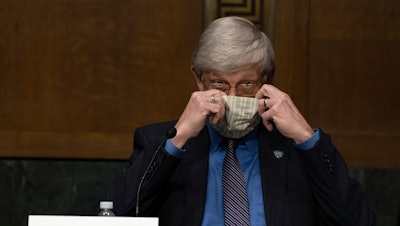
(240, 153)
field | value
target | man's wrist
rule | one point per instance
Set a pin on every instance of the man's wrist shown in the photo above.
(173, 150)
(310, 143)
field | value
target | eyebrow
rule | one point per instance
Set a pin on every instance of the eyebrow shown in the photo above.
(243, 77)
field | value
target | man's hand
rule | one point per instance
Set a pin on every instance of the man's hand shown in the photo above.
(276, 108)
(201, 106)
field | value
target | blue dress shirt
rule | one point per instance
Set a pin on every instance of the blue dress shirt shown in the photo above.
(247, 155)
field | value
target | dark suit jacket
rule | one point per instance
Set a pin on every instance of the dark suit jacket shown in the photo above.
(302, 188)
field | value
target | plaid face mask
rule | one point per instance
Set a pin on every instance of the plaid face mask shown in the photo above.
(241, 117)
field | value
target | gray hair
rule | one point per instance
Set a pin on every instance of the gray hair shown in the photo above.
(231, 43)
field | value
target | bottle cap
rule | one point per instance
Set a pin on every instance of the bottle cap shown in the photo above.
(106, 205)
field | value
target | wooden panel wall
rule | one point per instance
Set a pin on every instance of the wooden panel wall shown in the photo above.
(339, 60)
(77, 77)
(355, 77)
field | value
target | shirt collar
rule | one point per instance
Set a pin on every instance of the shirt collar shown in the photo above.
(216, 138)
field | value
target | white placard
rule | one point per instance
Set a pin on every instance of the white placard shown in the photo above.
(55, 220)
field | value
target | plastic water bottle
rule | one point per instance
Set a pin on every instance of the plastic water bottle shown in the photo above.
(106, 209)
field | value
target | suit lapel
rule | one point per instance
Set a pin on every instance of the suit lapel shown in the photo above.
(273, 166)
(195, 175)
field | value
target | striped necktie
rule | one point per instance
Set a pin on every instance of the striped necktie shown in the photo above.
(236, 206)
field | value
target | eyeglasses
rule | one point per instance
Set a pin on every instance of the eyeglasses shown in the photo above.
(247, 89)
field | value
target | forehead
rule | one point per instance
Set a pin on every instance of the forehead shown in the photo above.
(249, 73)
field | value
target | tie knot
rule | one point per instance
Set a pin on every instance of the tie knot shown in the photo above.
(230, 144)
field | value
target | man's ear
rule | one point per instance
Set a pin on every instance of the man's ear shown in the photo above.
(197, 78)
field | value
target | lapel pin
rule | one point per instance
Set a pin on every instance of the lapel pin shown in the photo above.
(278, 154)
